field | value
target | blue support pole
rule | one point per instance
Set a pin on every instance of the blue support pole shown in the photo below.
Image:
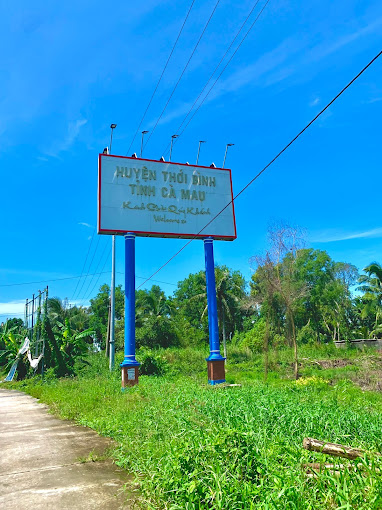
(215, 361)
(130, 364)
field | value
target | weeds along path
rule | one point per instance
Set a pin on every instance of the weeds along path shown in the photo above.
(195, 447)
(46, 463)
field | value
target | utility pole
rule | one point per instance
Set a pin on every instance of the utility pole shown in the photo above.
(112, 289)
(200, 142)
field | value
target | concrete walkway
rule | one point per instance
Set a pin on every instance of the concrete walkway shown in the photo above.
(40, 461)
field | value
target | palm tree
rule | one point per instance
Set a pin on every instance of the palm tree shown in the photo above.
(371, 286)
(59, 311)
(152, 303)
(229, 292)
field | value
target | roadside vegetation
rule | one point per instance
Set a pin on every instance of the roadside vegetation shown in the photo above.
(197, 447)
(229, 447)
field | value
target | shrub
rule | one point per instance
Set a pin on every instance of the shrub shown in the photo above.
(157, 331)
(254, 338)
(312, 381)
(151, 363)
(306, 335)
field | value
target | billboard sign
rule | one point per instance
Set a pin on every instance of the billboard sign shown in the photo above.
(160, 199)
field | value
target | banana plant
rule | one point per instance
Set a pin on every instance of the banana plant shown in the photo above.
(72, 342)
(12, 341)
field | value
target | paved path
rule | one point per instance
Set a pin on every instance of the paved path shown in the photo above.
(40, 464)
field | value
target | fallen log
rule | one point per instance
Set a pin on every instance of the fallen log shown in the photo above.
(338, 450)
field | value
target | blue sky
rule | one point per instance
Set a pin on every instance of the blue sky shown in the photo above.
(72, 68)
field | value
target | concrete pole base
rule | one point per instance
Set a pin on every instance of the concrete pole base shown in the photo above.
(129, 376)
(216, 371)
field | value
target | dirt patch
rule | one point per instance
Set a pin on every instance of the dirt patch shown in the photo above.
(334, 363)
(371, 381)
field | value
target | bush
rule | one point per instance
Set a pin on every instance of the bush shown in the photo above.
(156, 332)
(188, 334)
(151, 363)
(254, 339)
(187, 361)
(306, 335)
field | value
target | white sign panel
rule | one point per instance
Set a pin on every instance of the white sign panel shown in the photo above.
(155, 198)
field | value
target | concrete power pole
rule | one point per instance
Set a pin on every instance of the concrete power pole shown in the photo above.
(112, 289)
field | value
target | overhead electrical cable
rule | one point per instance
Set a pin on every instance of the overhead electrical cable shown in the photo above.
(214, 71)
(266, 166)
(74, 278)
(160, 78)
(224, 68)
(102, 272)
(182, 73)
(44, 281)
(96, 270)
(86, 259)
(90, 265)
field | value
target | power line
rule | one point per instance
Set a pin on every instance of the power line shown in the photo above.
(42, 281)
(184, 70)
(156, 281)
(267, 165)
(160, 78)
(97, 280)
(214, 71)
(86, 259)
(73, 278)
(96, 269)
(224, 68)
(235, 197)
(90, 265)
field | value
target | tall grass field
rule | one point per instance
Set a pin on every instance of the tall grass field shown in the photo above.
(192, 446)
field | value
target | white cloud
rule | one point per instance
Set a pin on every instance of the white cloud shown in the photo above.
(63, 145)
(85, 224)
(78, 303)
(323, 50)
(287, 60)
(314, 102)
(330, 236)
(374, 100)
(12, 308)
(35, 274)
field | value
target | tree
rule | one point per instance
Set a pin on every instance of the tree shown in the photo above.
(67, 335)
(263, 294)
(371, 286)
(191, 300)
(11, 339)
(151, 303)
(278, 282)
(99, 310)
(190, 310)
(230, 290)
(328, 305)
(18, 323)
(155, 327)
(60, 311)
(157, 331)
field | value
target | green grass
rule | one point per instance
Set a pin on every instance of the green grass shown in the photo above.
(192, 446)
